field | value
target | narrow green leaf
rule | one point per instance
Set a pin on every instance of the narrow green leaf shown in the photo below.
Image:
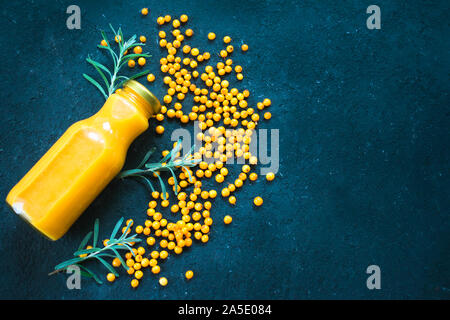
(85, 241)
(107, 266)
(67, 263)
(122, 262)
(96, 84)
(146, 157)
(116, 228)
(93, 275)
(96, 229)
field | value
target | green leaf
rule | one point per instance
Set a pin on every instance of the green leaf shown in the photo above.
(116, 228)
(96, 229)
(85, 241)
(85, 251)
(67, 263)
(98, 65)
(96, 84)
(146, 157)
(122, 262)
(91, 273)
(107, 266)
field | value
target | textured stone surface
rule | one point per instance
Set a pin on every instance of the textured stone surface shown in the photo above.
(363, 118)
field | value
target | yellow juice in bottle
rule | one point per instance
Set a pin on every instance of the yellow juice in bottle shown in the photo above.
(62, 184)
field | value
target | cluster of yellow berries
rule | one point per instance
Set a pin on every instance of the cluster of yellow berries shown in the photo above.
(227, 123)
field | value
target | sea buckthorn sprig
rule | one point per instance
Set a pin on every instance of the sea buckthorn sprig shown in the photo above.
(109, 250)
(120, 59)
(170, 162)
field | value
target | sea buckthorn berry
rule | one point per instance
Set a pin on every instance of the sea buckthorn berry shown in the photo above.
(163, 254)
(176, 23)
(232, 200)
(223, 53)
(184, 18)
(163, 281)
(205, 238)
(151, 241)
(244, 47)
(189, 274)
(239, 76)
(131, 63)
(145, 262)
(253, 176)
(258, 201)
(230, 49)
(160, 21)
(141, 61)
(211, 36)
(159, 129)
(270, 176)
(227, 219)
(118, 38)
(139, 229)
(167, 18)
(150, 77)
(116, 262)
(189, 32)
(156, 269)
(134, 283)
(142, 39)
(111, 277)
(144, 11)
(104, 43)
(226, 39)
(137, 49)
(225, 192)
(138, 274)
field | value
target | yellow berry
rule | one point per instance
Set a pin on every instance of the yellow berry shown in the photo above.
(270, 176)
(232, 200)
(189, 32)
(227, 219)
(144, 11)
(189, 274)
(156, 269)
(150, 77)
(131, 63)
(258, 201)
(163, 281)
(137, 49)
(104, 43)
(116, 262)
(211, 36)
(226, 39)
(184, 18)
(244, 47)
(134, 283)
(160, 21)
(138, 274)
(142, 39)
(141, 61)
(111, 277)
(159, 129)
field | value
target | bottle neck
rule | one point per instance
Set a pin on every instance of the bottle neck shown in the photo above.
(141, 104)
(142, 97)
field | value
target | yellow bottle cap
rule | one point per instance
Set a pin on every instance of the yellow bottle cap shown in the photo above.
(155, 105)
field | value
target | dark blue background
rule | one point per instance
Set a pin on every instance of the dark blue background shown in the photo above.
(364, 135)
